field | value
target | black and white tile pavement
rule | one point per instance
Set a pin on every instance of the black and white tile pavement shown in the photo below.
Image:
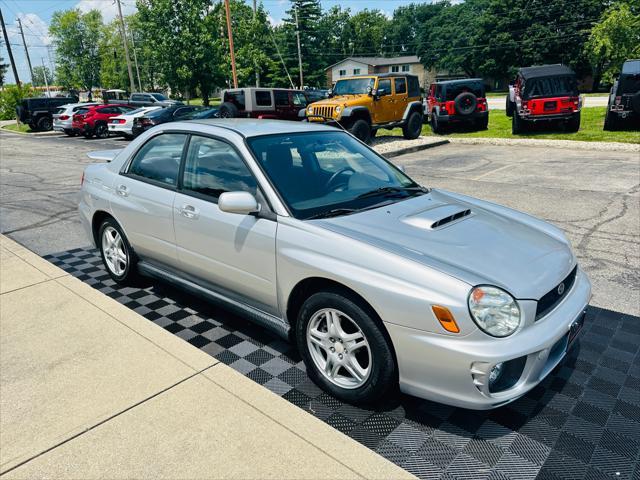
(583, 421)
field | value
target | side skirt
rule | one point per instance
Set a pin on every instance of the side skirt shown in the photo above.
(270, 322)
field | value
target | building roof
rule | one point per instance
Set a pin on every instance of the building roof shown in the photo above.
(377, 61)
(545, 71)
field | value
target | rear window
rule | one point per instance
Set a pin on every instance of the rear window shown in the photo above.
(631, 67)
(235, 97)
(60, 111)
(414, 86)
(452, 91)
(550, 87)
(281, 98)
(81, 111)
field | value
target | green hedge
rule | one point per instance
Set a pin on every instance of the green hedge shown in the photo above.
(10, 97)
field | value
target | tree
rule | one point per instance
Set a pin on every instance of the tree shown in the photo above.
(405, 27)
(39, 79)
(612, 41)
(77, 38)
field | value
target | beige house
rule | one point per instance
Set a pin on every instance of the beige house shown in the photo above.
(351, 66)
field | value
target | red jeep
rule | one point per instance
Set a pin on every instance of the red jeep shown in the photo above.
(94, 120)
(460, 102)
(544, 94)
(274, 103)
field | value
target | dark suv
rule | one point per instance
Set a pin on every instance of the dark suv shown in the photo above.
(38, 112)
(274, 103)
(624, 101)
(461, 102)
(547, 93)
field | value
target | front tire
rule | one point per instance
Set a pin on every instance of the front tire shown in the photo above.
(344, 349)
(413, 126)
(361, 130)
(117, 255)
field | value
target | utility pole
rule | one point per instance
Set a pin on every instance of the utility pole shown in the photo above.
(135, 60)
(46, 81)
(230, 34)
(256, 66)
(26, 50)
(6, 41)
(126, 47)
(295, 9)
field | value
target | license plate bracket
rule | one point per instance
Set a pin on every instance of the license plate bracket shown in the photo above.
(550, 106)
(575, 328)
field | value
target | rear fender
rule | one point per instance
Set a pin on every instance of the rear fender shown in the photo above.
(415, 105)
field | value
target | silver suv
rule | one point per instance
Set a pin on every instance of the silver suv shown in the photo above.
(307, 231)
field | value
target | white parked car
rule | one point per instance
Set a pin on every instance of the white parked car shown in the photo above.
(122, 124)
(64, 116)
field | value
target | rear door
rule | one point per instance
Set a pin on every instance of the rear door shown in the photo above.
(401, 97)
(235, 253)
(144, 194)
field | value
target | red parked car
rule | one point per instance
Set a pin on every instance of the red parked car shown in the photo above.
(94, 120)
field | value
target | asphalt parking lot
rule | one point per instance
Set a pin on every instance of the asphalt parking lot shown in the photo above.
(593, 196)
(580, 422)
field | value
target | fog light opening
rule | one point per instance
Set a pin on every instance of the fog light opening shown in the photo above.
(495, 373)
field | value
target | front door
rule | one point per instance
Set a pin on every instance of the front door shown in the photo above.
(384, 102)
(144, 195)
(235, 253)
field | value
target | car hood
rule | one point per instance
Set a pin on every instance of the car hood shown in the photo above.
(344, 100)
(486, 244)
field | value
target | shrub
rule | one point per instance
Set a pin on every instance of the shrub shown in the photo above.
(10, 97)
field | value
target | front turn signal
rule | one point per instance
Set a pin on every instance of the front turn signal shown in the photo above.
(445, 317)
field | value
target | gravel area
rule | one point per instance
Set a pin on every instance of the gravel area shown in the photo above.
(530, 142)
(389, 144)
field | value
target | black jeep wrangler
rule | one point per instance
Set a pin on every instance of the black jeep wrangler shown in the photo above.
(623, 109)
(38, 112)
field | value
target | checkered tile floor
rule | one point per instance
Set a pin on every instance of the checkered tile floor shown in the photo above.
(583, 421)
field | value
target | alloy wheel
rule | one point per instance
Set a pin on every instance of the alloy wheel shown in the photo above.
(339, 348)
(115, 253)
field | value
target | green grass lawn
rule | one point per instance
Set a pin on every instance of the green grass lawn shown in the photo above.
(14, 127)
(213, 102)
(591, 130)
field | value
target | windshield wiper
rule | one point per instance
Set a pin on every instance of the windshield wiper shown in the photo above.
(334, 212)
(391, 190)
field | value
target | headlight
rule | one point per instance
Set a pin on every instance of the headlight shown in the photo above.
(338, 109)
(494, 311)
(310, 109)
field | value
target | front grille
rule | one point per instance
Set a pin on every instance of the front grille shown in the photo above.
(323, 111)
(552, 298)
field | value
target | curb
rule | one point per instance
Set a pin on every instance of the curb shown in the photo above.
(415, 148)
(32, 134)
(532, 142)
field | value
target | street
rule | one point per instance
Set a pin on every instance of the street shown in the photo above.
(593, 196)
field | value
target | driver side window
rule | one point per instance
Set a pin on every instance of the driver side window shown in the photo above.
(384, 87)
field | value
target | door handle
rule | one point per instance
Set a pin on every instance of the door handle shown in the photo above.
(189, 211)
(122, 190)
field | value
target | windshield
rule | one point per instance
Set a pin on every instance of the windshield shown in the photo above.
(159, 97)
(354, 86)
(320, 172)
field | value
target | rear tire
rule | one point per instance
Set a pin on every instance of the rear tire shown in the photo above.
(356, 375)
(69, 132)
(117, 255)
(45, 124)
(436, 126)
(228, 110)
(510, 107)
(573, 125)
(102, 131)
(483, 123)
(413, 126)
(361, 130)
(610, 121)
(518, 125)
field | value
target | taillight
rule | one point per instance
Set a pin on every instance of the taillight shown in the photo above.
(63, 117)
(120, 120)
(525, 104)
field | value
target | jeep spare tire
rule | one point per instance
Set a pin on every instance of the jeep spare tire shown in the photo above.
(228, 110)
(465, 103)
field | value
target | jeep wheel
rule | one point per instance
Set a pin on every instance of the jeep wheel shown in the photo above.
(518, 125)
(361, 130)
(465, 103)
(482, 123)
(45, 124)
(510, 107)
(436, 127)
(573, 125)
(228, 110)
(413, 126)
(610, 121)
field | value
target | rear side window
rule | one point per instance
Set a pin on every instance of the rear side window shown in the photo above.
(159, 159)
(401, 85)
(414, 86)
(281, 98)
(263, 98)
(235, 97)
(213, 167)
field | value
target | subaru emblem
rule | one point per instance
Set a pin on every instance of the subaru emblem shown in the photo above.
(561, 289)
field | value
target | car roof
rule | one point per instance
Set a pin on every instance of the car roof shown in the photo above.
(251, 127)
(459, 80)
(545, 71)
(378, 75)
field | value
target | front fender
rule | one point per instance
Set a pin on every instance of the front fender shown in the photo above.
(352, 111)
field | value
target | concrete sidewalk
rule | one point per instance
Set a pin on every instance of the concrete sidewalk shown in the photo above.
(90, 389)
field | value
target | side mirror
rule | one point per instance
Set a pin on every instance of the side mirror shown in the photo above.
(370, 91)
(242, 203)
(330, 94)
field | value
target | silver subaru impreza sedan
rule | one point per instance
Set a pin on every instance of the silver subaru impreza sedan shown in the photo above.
(380, 282)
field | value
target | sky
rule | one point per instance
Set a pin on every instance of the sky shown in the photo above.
(35, 16)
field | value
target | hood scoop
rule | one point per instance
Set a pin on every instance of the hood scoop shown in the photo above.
(438, 216)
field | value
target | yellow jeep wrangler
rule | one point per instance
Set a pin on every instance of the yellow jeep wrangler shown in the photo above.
(366, 103)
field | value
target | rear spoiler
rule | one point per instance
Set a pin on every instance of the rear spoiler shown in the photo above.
(104, 155)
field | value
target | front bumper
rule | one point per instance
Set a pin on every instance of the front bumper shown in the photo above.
(449, 369)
